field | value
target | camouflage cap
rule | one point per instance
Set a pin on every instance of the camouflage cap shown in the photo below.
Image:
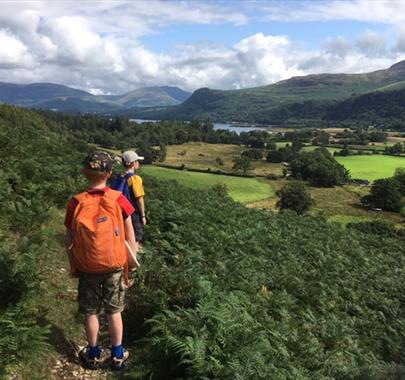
(99, 161)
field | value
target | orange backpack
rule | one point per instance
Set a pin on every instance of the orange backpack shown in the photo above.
(98, 234)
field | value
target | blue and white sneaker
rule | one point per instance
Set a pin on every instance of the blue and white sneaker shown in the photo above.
(119, 363)
(90, 361)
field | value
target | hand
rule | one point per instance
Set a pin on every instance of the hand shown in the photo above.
(143, 220)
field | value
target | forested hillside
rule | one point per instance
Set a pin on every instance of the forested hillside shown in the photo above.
(304, 97)
(378, 105)
(223, 291)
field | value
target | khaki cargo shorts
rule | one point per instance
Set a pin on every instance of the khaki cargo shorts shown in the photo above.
(101, 291)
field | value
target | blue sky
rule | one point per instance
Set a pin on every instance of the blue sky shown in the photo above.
(309, 34)
(114, 46)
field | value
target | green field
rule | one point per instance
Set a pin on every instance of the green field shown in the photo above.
(310, 148)
(371, 167)
(282, 144)
(240, 189)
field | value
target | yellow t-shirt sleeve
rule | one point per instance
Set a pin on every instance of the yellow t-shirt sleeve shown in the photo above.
(135, 182)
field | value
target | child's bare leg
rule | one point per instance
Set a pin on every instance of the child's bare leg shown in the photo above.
(92, 327)
(115, 328)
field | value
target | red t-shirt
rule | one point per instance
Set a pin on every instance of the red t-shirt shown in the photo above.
(126, 207)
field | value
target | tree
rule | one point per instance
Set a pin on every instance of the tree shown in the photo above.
(322, 138)
(283, 154)
(162, 152)
(297, 145)
(242, 164)
(384, 194)
(399, 176)
(394, 150)
(319, 168)
(253, 154)
(293, 196)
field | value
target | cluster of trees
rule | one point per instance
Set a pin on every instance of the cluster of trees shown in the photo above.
(395, 150)
(121, 133)
(286, 153)
(252, 154)
(350, 152)
(151, 139)
(360, 137)
(386, 193)
(319, 168)
(256, 139)
(303, 135)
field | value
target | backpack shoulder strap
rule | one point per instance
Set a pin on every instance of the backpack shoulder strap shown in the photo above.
(81, 196)
(112, 194)
(128, 176)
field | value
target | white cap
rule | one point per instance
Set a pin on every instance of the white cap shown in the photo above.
(130, 156)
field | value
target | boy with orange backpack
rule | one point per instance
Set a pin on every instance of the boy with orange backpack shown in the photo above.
(99, 226)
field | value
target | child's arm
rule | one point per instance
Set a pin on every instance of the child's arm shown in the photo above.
(130, 235)
(141, 206)
(68, 244)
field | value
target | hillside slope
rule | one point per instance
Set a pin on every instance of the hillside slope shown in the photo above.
(266, 103)
(373, 106)
(223, 291)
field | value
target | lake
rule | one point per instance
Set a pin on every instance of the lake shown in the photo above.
(142, 121)
(237, 129)
(217, 126)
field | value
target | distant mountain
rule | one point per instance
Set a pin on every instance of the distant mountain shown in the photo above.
(269, 103)
(310, 97)
(150, 96)
(66, 99)
(20, 94)
(176, 93)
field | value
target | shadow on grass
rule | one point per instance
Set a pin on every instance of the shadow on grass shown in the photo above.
(64, 346)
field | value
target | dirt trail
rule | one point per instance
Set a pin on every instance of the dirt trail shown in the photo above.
(67, 329)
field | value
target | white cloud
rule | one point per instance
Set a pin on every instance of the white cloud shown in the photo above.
(13, 53)
(372, 44)
(382, 11)
(262, 60)
(338, 46)
(400, 45)
(95, 45)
